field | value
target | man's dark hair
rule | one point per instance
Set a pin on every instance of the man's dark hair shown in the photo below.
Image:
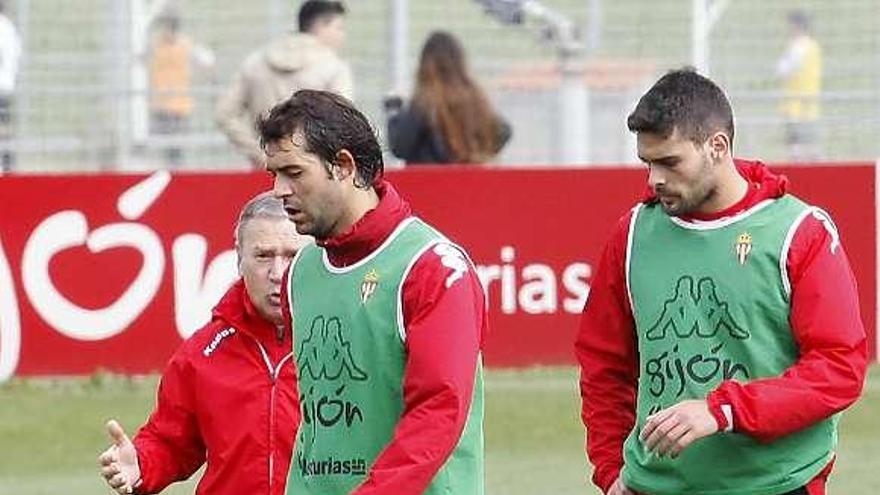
(314, 10)
(799, 19)
(683, 100)
(329, 123)
(169, 21)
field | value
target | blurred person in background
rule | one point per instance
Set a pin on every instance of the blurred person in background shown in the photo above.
(390, 317)
(10, 53)
(800, 69)
(171, 59)
(305, 60)
(450, 118)
(228, 397)
(722, 335)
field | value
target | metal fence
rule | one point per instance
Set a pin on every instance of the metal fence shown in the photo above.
(80, 94)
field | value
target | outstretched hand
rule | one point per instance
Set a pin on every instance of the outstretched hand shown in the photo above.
(119, 463)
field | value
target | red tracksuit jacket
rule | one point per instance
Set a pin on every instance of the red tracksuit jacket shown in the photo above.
(228, 393)
(825, 319)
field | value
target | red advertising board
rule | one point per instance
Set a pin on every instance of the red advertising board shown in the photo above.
(111, 272)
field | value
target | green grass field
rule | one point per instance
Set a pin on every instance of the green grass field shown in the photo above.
(51, 432)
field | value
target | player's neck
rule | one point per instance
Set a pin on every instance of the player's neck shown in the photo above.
(360, 203)
(732, 188)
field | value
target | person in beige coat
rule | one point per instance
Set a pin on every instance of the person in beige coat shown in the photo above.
(307, 59)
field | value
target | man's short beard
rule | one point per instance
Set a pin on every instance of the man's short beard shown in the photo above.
(688, 207)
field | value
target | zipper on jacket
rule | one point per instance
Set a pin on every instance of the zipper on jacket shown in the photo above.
(272, 436)
(273, 377)
(277, 372)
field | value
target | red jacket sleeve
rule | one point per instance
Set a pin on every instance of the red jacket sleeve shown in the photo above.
(829, 374)
(607, 353)
(445, 317)
(169, 445)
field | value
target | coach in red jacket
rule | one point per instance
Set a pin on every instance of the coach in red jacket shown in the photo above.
(228, 396)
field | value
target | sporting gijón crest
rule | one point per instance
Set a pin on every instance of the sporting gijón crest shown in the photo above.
(369, 285)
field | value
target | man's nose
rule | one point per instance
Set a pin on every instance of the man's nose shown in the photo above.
(655, 176)
(279, 188)
(276, 271)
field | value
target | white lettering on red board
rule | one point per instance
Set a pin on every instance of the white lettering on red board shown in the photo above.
(10, 322)
(529, 287)
(196, 288)
(67, 229)
(534, 288)
(195, 291)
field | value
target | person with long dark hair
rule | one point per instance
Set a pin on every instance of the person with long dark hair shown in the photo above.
(450, 119)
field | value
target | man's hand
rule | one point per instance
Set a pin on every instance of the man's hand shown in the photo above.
(618, 488)
(671, 430)
(119, 463)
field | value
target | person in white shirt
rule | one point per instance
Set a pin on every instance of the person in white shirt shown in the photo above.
(10, 53)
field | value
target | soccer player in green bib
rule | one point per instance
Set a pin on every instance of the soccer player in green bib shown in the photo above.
(722, 335)
(390, 318)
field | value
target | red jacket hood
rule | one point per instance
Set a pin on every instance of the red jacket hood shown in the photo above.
(371, 230)
(763, 184)
(237, 310)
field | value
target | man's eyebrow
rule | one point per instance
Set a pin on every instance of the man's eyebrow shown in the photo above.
(666, 158)
(288, 165)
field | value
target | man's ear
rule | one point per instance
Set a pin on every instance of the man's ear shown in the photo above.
(345, 165)
(719, 145)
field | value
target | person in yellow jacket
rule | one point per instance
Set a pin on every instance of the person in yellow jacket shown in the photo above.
(171, 59)
(800, 69)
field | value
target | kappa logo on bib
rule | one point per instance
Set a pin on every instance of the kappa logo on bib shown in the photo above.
(327, 368)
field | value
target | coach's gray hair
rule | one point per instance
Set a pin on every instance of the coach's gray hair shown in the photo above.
(263, 205)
